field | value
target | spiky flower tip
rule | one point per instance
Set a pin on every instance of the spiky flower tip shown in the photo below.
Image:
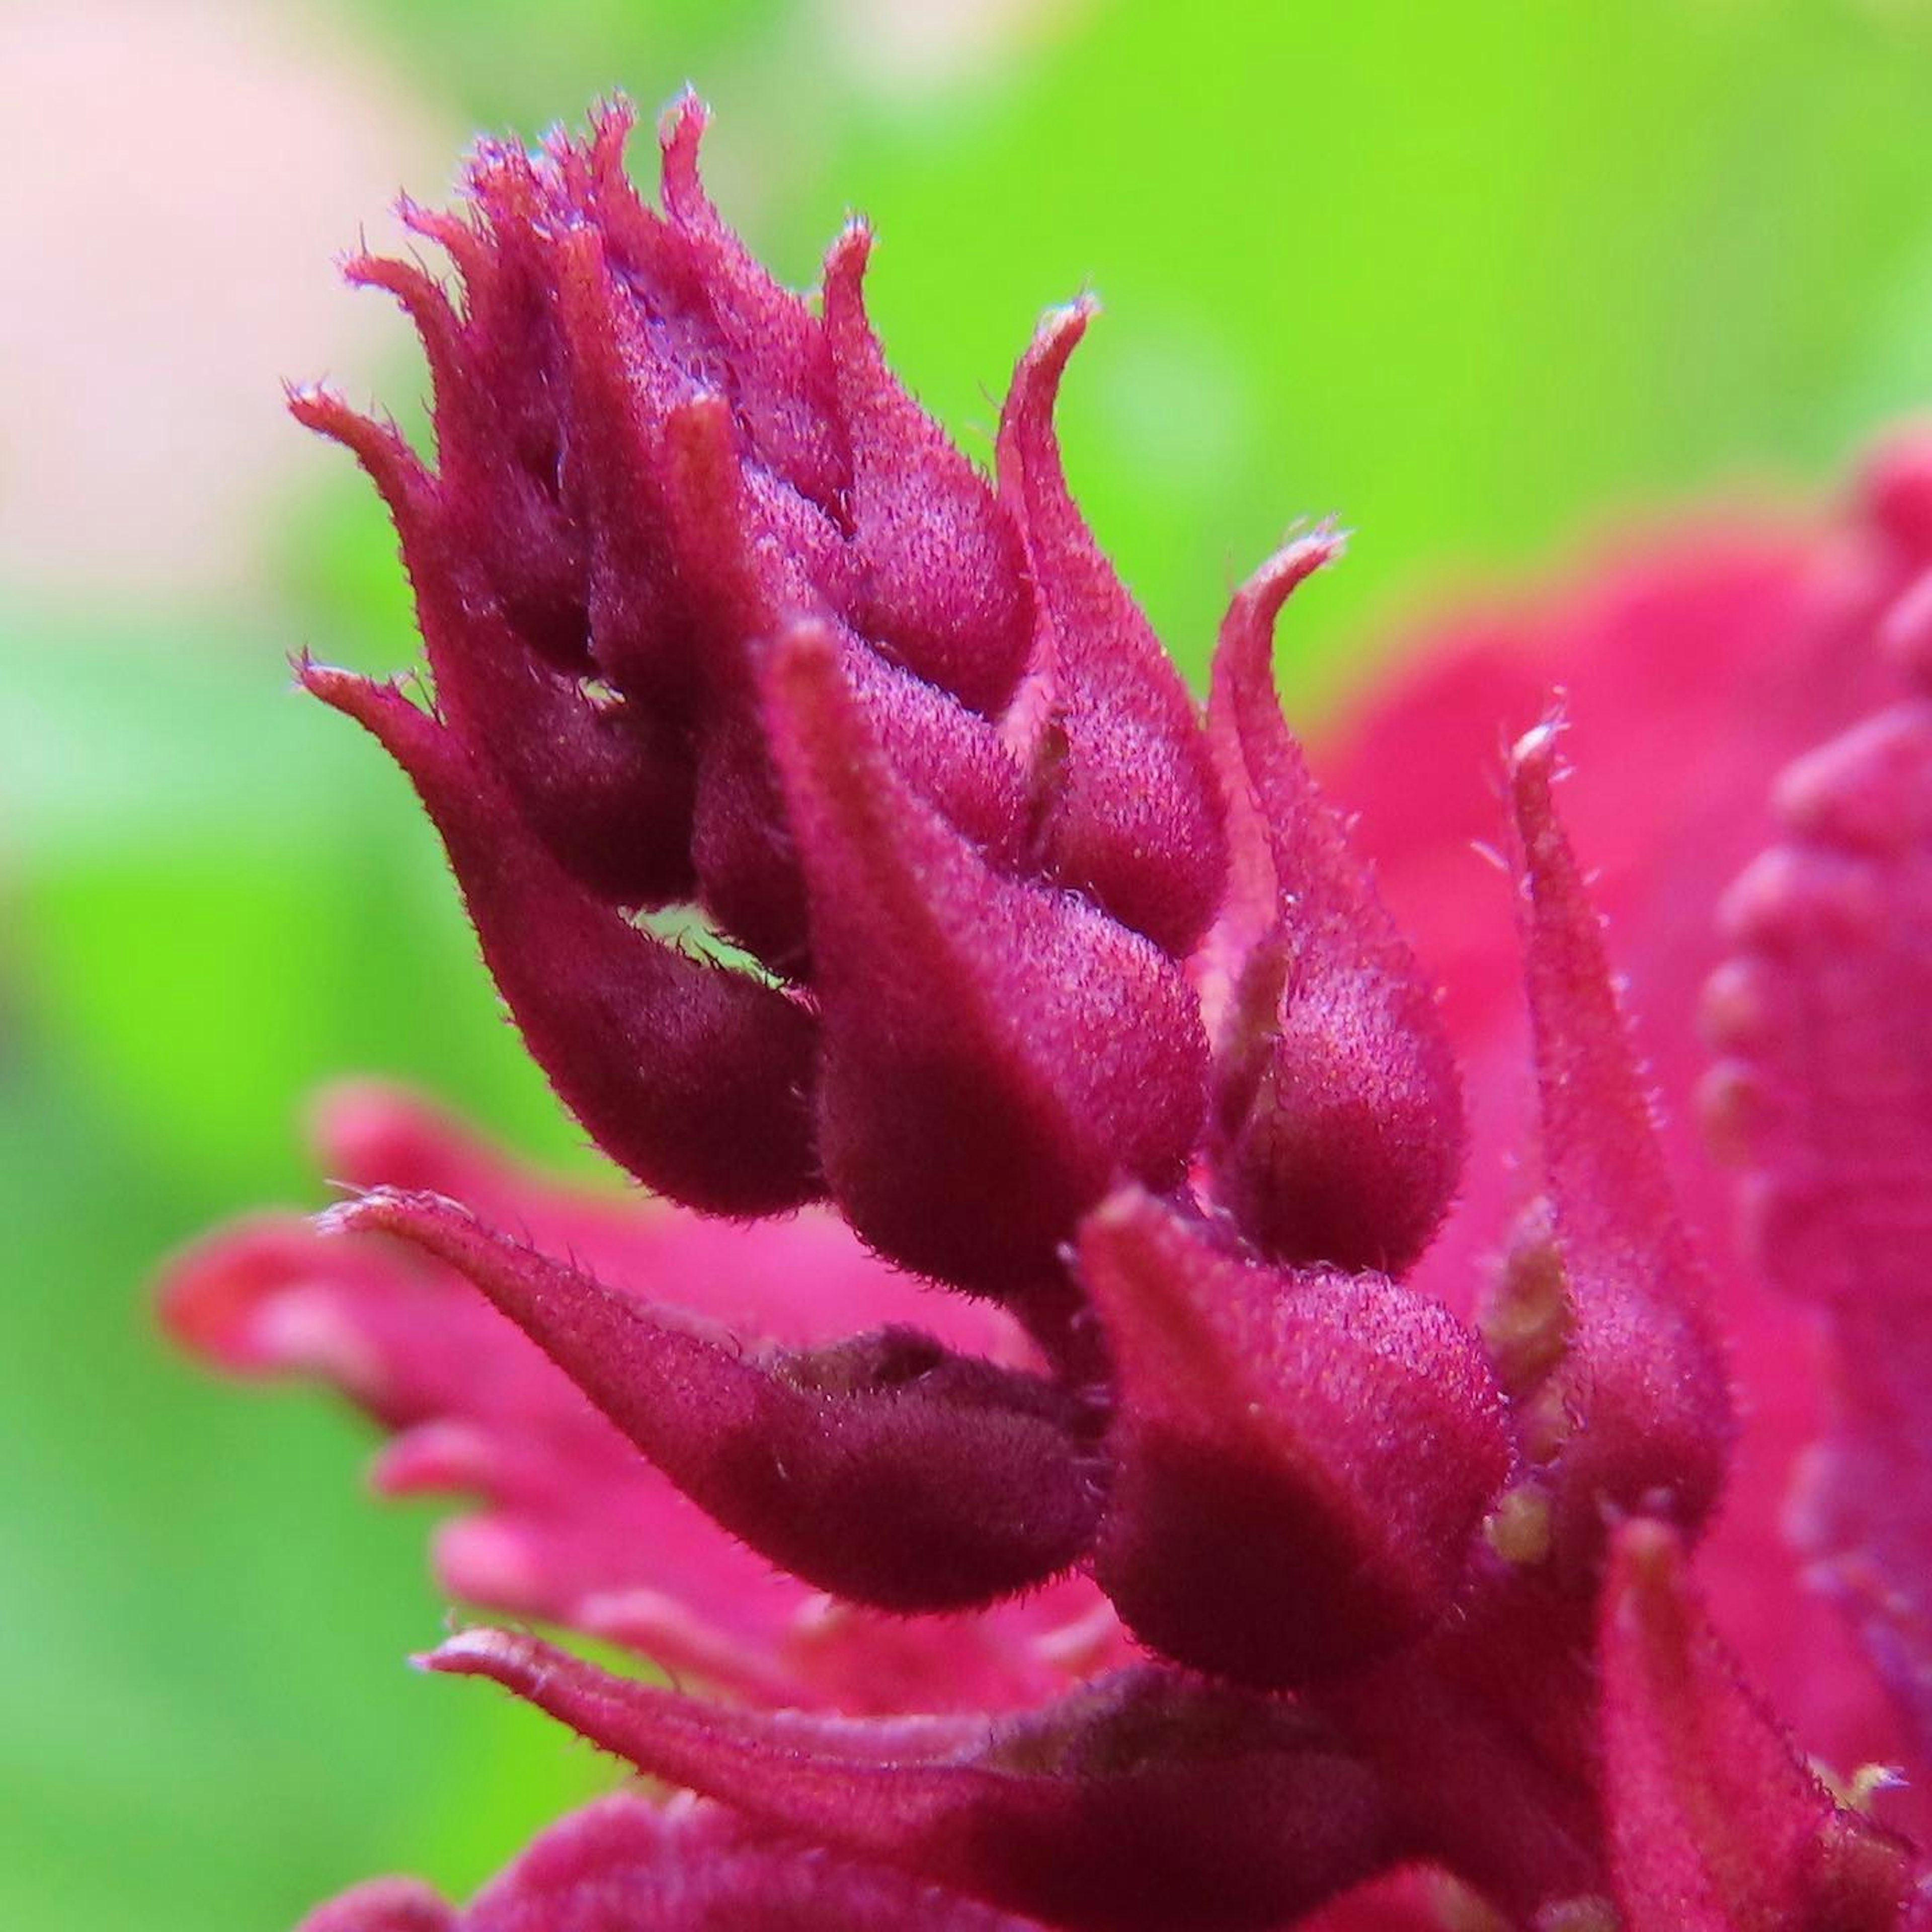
(1055, 1123)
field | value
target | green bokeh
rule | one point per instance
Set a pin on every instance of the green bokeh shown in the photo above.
(1478, 278)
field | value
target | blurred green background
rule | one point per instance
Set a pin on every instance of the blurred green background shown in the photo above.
(1481, 277)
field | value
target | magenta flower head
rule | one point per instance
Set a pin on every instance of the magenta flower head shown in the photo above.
(716, 617)
(1056, 1130)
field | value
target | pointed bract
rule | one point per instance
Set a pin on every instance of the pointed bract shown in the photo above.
(886, 1468)
(638, 615)
(605, 784)
(987, 1040)
(1715, 1824)
(946, 589)
(1635, 1415)
(1338, 1116)
(1699, 652)
(572, 1524)
(1300, 1460)
(695, 1077)
(776, 359)
(1131, 815)
(1142, 1802)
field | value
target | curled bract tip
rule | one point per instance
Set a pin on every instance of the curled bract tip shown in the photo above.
(1338, 1128)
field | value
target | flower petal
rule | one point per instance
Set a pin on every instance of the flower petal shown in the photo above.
(1827, 1096)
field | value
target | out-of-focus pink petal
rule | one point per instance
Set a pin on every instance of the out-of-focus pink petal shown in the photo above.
(1827, 1096)
(624, 1864)
(1300, 1460)
(384, 1905)
(1338, 1111)
(1143, 1801)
